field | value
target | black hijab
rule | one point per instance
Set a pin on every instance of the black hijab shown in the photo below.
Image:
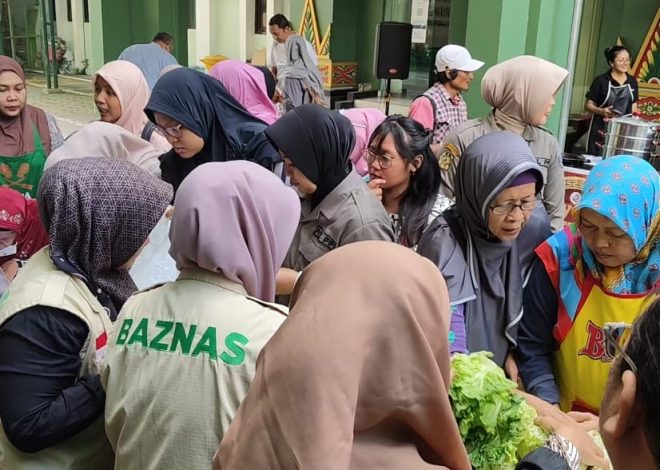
(203, 105)
(482, 271)
(318, 142)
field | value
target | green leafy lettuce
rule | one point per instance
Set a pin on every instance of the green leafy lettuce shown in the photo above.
(496, 425)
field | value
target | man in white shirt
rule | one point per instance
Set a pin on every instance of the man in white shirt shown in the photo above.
(281, 28)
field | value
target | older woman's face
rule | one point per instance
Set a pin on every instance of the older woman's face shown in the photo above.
(609, 243)
(12, 94)
(507, 226)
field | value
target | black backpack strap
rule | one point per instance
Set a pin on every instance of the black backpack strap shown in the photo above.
(148, 131)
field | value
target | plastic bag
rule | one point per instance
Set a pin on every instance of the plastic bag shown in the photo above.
(154, 265)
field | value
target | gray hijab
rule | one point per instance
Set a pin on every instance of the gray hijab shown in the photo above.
(482, 271)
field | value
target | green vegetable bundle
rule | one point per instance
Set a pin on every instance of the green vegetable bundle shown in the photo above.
(496, 425)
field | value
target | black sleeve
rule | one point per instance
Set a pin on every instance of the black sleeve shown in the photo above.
(543, 459)
(42, 400)
(635, 88)
(536, 342)
(598, 90)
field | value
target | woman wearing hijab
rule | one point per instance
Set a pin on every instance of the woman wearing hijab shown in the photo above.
(204, 123)
(21, 231)
(57, 315)
(365, 121)
(194, 342)
(27, 134)
(101, 139)
(404, 175)
(248, 86)
(521, 92)
(337, 206)
(301, 81)
(339, 387)
(592, 275)
(480, 246)
(121, 94)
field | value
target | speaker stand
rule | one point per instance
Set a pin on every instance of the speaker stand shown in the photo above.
(388, 96)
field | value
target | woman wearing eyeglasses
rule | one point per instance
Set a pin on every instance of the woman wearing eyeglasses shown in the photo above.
(599, 271)
(611, 94)
(481, 244)
(204, 123)
(404, 175)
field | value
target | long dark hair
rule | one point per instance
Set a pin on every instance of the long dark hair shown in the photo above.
(411, 139)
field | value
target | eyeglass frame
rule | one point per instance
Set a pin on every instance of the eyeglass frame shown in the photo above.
(512, 207)
(373, 156)
(608, 330)
(174, 131)
(619, 61)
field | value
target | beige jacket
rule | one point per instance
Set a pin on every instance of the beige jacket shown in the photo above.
(41, 283)
(350, 213)
(178, 366)
(544, 147)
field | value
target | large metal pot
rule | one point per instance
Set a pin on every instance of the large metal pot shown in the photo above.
(630, 136)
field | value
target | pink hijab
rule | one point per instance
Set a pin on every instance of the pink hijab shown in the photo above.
(130, 86)
(357, 377)
(248, 86)
(365, 121)
(235, 218)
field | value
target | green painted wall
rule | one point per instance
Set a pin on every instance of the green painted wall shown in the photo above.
(345, 24)
(458, 21)
(116, 24)
(370, 12)
(628, 19)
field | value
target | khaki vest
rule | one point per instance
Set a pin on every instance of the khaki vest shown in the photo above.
(41, 283)
(179, 364)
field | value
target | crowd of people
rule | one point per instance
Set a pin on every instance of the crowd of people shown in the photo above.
(328, 266)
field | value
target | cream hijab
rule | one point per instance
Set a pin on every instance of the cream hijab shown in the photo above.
(102, 139)
(130, 86)
(358, 375)
(520, 89)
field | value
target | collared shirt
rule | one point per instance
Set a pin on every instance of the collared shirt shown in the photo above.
(350, 213)
(544, 147)
(437, 110)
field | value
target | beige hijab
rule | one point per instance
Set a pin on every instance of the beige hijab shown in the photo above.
(520, 89)
(102, 139)
(358, 375)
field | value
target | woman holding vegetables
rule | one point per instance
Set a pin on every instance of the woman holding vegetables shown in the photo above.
(591, 280)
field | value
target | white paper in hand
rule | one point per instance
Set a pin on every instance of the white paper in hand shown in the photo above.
(154, 265)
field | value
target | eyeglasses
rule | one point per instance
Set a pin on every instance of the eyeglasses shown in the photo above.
(509, 207)
(622, 61)
(616, 338)
(383, 160)
(170, 131)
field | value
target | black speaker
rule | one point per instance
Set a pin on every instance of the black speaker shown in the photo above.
(392, 54)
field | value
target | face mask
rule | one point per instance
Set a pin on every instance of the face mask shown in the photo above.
(154, 265)
(9, 250)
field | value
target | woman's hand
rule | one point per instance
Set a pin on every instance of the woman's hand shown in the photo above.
(511, 368)
(565, 426)
(608, 113)
(286, 280)
(10, 269)
(376, 188)
(587, 421)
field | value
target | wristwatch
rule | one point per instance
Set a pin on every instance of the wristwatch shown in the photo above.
(565, 448)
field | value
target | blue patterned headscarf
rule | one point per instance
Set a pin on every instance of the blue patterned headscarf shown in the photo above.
(626, 190)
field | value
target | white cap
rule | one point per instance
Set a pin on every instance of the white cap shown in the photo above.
(456, 57)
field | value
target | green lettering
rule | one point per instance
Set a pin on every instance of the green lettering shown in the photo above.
(140, 333)
(123, 331)
(183, 338)
(208, 344)
(238, 352)
(166, 327)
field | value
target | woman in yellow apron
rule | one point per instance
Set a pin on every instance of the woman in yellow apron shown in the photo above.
(27, 134)
(597, 272)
